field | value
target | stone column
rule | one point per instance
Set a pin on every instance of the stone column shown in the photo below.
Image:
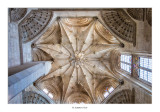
(22, 76)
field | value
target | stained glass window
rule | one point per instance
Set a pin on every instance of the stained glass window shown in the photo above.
(146, 63)
(108, 91)
(145, 69)
(111, 89)
(106, 94)
(126, 61)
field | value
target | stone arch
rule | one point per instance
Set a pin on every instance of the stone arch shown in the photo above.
(33, 24)
(39, 55)
(122, 97)
(33, 98)
(54, 86)
(101, 87)
(120, 23)
(115, 62)
(79, 97)
(136, 13)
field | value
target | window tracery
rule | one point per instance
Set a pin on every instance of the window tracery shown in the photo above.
(136, 13)
(33, 98)
(126, 61)
(121, 97)
(33, 24)
(145, 69)
(137, 66)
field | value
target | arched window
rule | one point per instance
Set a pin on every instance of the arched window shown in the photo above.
(145, 69)
(48, 93)
(126, 61)
(108, 91)
(138, 66)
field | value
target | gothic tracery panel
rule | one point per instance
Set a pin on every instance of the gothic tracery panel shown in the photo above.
(33, 24)
(121, 24)
(122, 97)
(33, 98)
(136, 13)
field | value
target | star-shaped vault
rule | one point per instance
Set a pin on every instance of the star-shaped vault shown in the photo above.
(80, 50)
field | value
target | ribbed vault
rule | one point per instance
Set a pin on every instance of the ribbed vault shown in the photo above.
(33, 24)
(80, 50)
(33, 98)
(54, 86)
(122, 97)
(121, 24)
(136, 13)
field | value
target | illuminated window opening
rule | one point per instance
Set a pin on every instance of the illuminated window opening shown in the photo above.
(111, 89)
(108, 91)
(46, 91)
(106, 94)
(126, 61)
(50, 95)
(145, 69)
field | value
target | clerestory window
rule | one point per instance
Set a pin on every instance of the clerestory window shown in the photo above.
(145, 69)
(48, 93)
(108, 91)
(126, 61)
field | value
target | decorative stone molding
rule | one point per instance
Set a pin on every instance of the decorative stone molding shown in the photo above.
(136, 13)
(39, 55)
(33, 24)
(121, 24)
(149, 16)
(122, 97)
(78, 97)
(33, 98)
(54, 86)
(17, 14)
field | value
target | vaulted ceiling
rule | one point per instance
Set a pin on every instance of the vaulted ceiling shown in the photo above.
(80, 49)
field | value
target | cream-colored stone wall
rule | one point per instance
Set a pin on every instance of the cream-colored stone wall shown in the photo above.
(142, 96)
